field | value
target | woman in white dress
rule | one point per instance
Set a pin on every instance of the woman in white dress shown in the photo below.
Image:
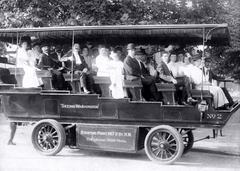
(116, 76)
(27, 61)
(185, 68)
(102, 61)
(200, 82)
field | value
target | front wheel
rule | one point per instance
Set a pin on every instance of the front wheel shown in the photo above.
(164, 144)
(48, 137)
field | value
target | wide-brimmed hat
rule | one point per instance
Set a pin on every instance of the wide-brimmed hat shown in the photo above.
(196, 57)
(208, 59)
(130, 46)
(140, 52)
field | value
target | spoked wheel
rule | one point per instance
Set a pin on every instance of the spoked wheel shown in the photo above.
(48, 137)
(188, 139)
(163, 144)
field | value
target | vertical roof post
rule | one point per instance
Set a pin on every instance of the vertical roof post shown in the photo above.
(72, 56)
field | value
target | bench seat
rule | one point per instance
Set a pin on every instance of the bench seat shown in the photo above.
(199, 93)
(104, 82)
(133, 87)
(168, 91)
(74, 81)
(132, 84)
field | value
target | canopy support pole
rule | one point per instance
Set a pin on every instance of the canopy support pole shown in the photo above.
(16, 57)
(202, 60)
(72, 56)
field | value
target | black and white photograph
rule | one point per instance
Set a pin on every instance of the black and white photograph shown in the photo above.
(119, 85)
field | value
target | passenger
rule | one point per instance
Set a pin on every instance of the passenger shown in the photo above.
(134, 69)
(165, 76)
(149, 64)
(173, 65)
(95, 53)
(102, 66)
(116, 76)
(36, 51)
(185, 68)
(102, 61)
(119, 52)
(27, 61)
(56, 56)
(87, 57)
(46, 62)
(210, 76)
(180, 58)
(219, 98)
(108, 51)
(66, 48)
(80, 67)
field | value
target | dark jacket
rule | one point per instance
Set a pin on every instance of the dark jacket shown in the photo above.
(57, 63)
(164, 72)
(213, 76)
(76, 67)
(133, 71)
(45, 62)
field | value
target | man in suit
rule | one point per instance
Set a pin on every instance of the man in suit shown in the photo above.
(166, 76)
(76, 60)
(208, 73)
(46, 62)
(134, 69)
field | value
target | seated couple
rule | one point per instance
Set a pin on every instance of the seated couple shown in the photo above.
(202, 79)
(80, 67)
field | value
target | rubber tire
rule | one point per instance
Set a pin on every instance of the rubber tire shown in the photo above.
(174, 133)
(190, 143)
(60, 132)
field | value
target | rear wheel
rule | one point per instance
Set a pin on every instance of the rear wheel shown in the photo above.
(48, 137)
(164, 144)
(188, 139)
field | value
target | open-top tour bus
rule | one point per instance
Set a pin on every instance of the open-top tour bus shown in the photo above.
(88, 121)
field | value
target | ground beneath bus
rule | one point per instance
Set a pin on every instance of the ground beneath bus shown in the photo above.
(218, 154)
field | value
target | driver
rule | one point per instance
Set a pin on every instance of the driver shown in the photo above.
(207, 70)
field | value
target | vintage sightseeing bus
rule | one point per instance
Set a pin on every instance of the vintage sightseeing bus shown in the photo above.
(89, 121)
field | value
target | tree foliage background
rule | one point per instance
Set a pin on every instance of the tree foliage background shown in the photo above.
(45, 13)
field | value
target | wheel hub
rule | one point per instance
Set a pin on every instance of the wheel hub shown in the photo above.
(47, 137)
(164, 145)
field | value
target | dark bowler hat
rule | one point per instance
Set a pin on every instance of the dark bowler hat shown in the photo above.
(196, 57)
(140, 51)
(43, 44)
(130, 46)
(208, 59)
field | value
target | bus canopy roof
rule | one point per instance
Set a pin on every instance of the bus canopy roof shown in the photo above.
(182, 34)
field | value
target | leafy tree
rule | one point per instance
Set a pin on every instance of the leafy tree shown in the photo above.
(44, 13)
